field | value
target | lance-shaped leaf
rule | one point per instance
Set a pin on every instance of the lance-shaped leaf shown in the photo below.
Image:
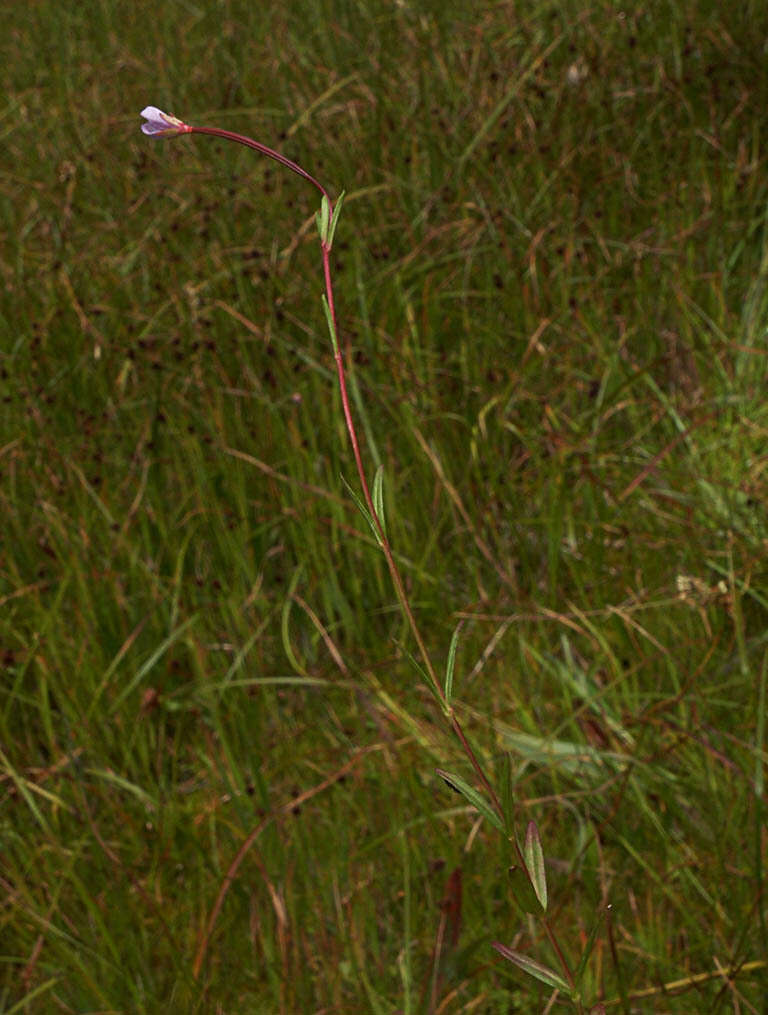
(427, 680)
(378, 499)
(534, 861)
(323, 220)
(478, 802)
(523, 891)
(533, 968)
(335, 219)
(361, 507)
(331, 325)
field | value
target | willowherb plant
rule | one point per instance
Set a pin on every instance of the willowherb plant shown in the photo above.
(527, 873)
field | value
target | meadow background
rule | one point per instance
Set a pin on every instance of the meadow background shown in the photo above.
(551, 283)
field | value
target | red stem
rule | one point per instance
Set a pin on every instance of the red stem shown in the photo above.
(230, 135)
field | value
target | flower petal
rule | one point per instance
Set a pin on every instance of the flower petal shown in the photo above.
(152, 113)
(161, 124)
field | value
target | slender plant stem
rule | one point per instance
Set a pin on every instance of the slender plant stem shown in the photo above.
(230, 135)
(394, 571)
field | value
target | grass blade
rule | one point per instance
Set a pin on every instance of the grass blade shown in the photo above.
(451, 663)
(588, 947)
(508, 793)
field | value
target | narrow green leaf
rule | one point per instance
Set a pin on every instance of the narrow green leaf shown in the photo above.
(125, 784)
(523, 891)
(425, 680)
(331, 327)
(451, 663)
(534, 859)
(478, 802)
(588, 947)
(335, 218)
(378, 496)
(533, 968)
(508, 793)
(323, 218)
(137, 678)
(361, 507)
(285, 629)
(22, 788)
(41, 989)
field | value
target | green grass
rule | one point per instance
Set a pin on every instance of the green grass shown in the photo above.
(552, 280)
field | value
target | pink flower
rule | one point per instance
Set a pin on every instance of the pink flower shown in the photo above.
(160, 124)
